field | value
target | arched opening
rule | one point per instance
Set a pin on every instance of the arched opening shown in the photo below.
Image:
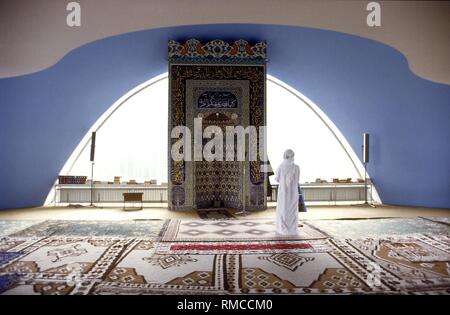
(132, 139)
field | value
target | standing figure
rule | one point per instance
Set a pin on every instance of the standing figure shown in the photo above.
(287, 175)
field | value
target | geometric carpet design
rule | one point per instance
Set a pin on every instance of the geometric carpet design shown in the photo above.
(259, 229)
(164, 262)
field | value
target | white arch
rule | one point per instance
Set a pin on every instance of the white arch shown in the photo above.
(358, 166)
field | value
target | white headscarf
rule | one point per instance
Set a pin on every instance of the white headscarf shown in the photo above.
(289, 166)
(288, 156)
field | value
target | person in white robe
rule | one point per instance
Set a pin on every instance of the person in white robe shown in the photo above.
(288, 176)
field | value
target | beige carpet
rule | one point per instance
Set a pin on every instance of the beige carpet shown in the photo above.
(157, 211)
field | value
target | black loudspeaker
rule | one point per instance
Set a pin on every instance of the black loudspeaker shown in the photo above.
(92, 146)
(365, 148)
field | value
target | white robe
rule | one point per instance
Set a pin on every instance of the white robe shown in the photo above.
(288, 175)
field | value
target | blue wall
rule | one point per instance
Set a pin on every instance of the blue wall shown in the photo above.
(362, 85)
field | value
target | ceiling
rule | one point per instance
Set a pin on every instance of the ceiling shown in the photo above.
(34, 34)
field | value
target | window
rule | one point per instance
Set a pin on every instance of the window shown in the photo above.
(132, 137)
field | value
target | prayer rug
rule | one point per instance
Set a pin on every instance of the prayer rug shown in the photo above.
(444, 220)
(146, 271)
(7, 281)
(407, 263)
(80, 265)
(334, 269)
(378, 227)
(137, 228)
(62, 265)
(215, 214)
(8, 227)
(231, 230)
(6, 257)
(249, 247)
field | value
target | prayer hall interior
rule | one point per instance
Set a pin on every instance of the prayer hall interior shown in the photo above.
(141, 142)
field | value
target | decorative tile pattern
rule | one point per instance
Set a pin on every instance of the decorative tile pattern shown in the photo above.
(193, 61)
(217, 51)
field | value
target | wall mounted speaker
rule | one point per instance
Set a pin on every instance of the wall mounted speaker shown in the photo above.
(365, 148)
(92, 146)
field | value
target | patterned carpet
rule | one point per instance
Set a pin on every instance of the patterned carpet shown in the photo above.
(256, 229)
(445, 220)
(361, 228)
(11, 226)
(166, 257)
(137, 228)
(215, 214)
